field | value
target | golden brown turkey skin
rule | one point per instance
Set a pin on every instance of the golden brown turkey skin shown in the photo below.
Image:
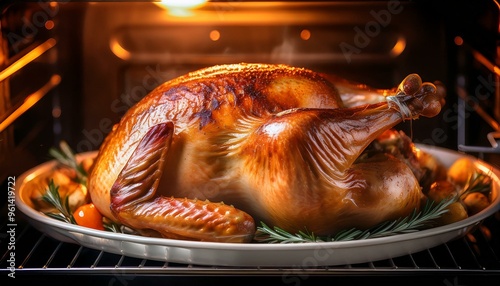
(271, 142)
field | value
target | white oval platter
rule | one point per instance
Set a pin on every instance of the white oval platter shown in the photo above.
(257, 254)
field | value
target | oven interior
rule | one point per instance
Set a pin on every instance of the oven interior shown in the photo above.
(69, 71)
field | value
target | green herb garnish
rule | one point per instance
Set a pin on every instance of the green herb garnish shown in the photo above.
(479, 182)
(416, 221)
(112, 226)
(52, 197)
(66, 157)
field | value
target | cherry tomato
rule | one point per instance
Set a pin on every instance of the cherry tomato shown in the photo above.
(88, 215)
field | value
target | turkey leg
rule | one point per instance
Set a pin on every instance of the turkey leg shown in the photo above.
(134, 203)
(329, 192)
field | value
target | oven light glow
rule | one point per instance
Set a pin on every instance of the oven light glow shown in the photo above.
(49, 25)
(486, 62)
(180, 7)
(399, 47)
(214, 35)
(305, 34)
(458, 40)
(182, 3)
(118, 50)
(30, 100)
(28, 58)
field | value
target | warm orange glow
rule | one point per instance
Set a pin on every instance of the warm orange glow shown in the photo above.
(30, 101)
(458, 40)
(49, 25)
(180, 7)
(214, 35)
(462, 93)
(26, 59)
(498, 6)
(305, 34)
(484, 61)
(399, 47)
(182, 3)
(118, 50)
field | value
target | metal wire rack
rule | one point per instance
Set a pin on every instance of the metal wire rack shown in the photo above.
(472, 259)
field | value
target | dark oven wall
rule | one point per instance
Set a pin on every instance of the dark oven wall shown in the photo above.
(129, 48)
(111, 54)
(41, 77)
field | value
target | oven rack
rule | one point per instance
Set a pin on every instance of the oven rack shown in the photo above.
(487, 67)
(465, 261)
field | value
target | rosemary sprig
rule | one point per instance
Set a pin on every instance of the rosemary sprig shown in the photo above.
(416, 221)
(52, 197)
(64, 214)
(112, 226)
(479, 182)
(66, 157)
(273, 235)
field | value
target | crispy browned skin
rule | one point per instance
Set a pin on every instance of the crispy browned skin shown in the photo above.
(269, 141)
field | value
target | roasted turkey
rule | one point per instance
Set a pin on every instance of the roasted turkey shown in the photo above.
(208, 155)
